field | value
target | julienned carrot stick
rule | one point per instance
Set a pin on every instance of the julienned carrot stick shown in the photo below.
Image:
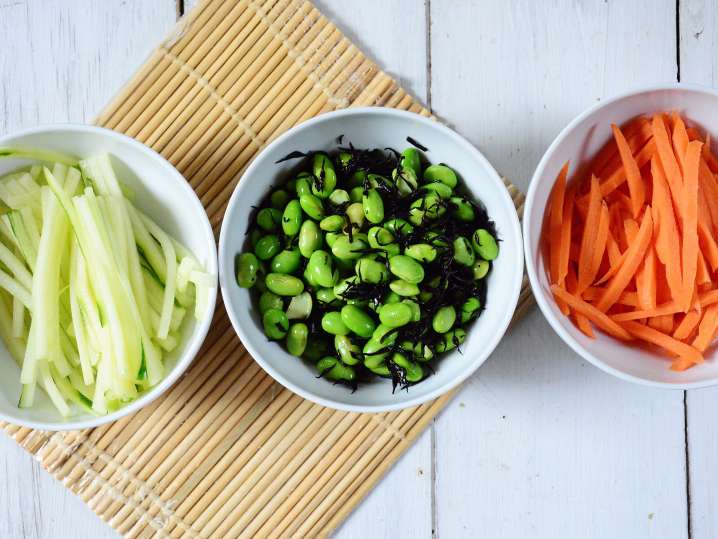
(581, 321)
(630, 264)
(615, 180)
(670, 344)
(602, 320)
(668, 241)
(707, 242)
(664, 148)
(689, 252)
(709, 185)
(556, 217)
(679, 138)
(635, 130)
(636, 187)
(687, 325)
(671, 307)
(565, 242)
(589, 234)
(646, 281)
(707, 328)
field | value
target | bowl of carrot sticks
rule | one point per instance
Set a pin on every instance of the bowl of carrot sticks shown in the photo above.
(621, 236)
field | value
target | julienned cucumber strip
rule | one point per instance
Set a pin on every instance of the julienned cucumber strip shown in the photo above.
(48, 156)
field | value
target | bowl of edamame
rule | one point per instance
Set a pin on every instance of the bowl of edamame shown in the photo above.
(370, 259)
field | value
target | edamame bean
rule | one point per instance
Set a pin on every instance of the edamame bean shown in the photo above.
(320, 266)
(423, 252)
(284, 285)
(247, 268)
(380, 238)
(441, 189)
(325, 176)
(384, 334)
(312, 206)
(332, 323)
(480, 269)
(406, 268)
(405, 180)
(404, 288)
(348, 351)
(327, 296)
(463, 252)
(303, 184)
(430, 206)
(297, 339)
(423, 351)
(278, 199)
(411, 159)
(269, 219)
(444, 319)
(267, 247)
(440, 173)
(315, 349)
(485, 244)
(356, 193)
(412, 371)
(392, 297)
(275, 324)
(333, 369)
(286, 261)
(346, 249)
(254, 236)
(415, 309)
(375, 352)
(332, 223)
(370, 270)
(310, 238)
(292, 218)
(373, 206)
(331, 237)
(451, 340)
(358, 321)
(395, 315)
(339, 197)
(309, 278)
(462, 209)
(270, 300)
(470, 310)
(381, 370)
(343, 285)
(399, 226)
(355, 213)
(300, 306)
(436, 239)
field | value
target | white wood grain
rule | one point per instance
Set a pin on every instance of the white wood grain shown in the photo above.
(62, 61)
(699, 64)
(401, 505)
(547, 445)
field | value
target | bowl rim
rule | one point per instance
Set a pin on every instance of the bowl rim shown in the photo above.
(202, 326)
(529, 234)
(513, 231)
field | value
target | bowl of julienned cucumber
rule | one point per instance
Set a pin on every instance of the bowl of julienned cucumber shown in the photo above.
(348, 268)
(107, 276)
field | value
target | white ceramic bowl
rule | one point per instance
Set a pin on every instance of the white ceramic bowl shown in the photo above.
(374, 128)
(579, 142)
(162, 193)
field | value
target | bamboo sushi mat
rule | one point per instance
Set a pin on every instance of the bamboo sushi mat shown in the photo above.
(228, 452)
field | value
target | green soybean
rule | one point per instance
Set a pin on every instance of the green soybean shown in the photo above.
(440, 173)
(300, 306)
(320, 266)
(310, 238)
(441, 189)
(349, 352)
(270, 300)
(326, 296)
(375, 352)
(462, 209)
(278, 199)
(429, 207)
(333, 369)
(395, 315)
(358, 321)
(332, 223)
(480, 269)
(356, 193)
(423, 252)
(312, 206)
(325, 176)
(275, 324)
(315, 349)
(269, 219)
(405, 180)
(286, 261)
(343, 285)
(373, 206)
(404, 288)
(406, 268)
(370, 270)
(292, 218)
(413, 371)
(485, 244)
(451, 340)
(267, 247)
(463, 252)
(284, 285)
(303, 184)
(355, 213)
(470, 310)
(444, 319)
(331, 237)
(247, 269)
(332, 323)
(338, 197)
(415, 309)
(297, 338)
(398, 226)
(347, 249)
(411, 159)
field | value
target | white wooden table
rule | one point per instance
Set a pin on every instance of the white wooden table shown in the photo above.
(538, 443)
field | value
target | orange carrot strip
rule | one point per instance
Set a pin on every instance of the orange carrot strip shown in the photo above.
(681, 364)
(707, 242)
(668, 242)
(602, 320)
(556, 216)
(689, 252)
(636, 141)
(703, 276)
(709, 185)
(633, 258)
(646, 280)
(679, 138)
(633, 129)
(708, 298)
(636, 187)
(708, 155)
(616, 179)
(707, 328)
(670, 344)
(565, 242)
(671, 307)
(599, 242)
(590, 227)
(687, 325)
(667, 158)
(614, 253)
(580, 320)
(662, 323)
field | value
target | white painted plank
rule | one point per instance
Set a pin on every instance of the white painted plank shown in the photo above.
(540, 444)
(699, 64)
(400, 505)
(62, 61)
